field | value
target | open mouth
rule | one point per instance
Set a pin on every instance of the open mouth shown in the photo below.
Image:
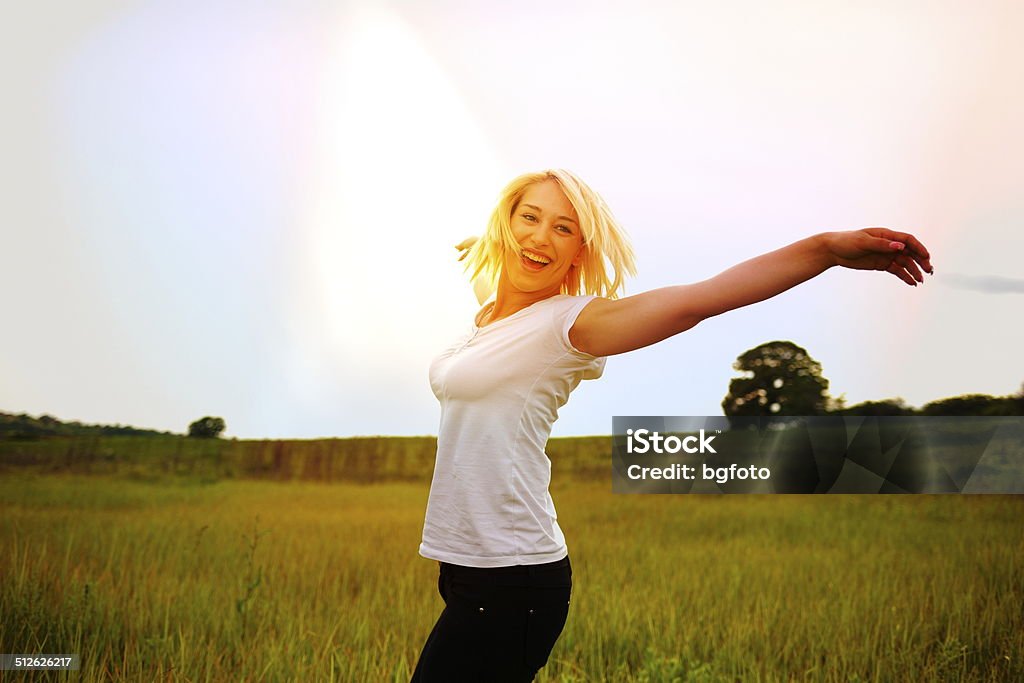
(533, 261)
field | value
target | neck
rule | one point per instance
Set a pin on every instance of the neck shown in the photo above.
(509, 300)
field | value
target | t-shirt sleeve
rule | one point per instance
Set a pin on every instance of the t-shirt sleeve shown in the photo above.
(593, 366)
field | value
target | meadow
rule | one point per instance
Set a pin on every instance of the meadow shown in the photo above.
(185, 579)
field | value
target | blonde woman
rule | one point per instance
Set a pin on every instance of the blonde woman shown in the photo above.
(555, 259)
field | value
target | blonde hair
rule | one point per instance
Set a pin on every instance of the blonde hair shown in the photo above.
(605, 245)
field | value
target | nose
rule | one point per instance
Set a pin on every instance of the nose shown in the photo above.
(539, 237)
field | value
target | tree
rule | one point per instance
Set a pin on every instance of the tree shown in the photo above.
(888, 408)
(206, 427)
(779, 378)
(974, 404)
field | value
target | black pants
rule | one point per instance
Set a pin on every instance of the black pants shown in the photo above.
(498, 624)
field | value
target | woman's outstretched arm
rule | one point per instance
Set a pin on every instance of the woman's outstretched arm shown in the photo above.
(607, 327)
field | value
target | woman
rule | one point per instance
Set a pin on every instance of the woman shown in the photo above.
(557, 258)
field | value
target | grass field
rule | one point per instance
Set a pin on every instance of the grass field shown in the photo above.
(253, 580)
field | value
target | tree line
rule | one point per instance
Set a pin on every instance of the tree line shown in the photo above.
(24, 426)
(781, 378)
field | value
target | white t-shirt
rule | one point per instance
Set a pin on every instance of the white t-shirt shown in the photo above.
(500, 388)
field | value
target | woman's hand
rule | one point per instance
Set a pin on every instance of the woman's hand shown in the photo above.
(899, 253)
(481, 288)
(465, 245)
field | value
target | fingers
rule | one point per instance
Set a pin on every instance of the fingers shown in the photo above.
(900, 272)
(912, 242)
(912, 246)
(906, 269)
(903, 262)
(910, 266)
(882, 244)
(916, 250)
(464, 246)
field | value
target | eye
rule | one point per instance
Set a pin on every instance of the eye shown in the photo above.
(566, 228)
(529, 217)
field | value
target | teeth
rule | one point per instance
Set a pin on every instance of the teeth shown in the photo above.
(537, 259)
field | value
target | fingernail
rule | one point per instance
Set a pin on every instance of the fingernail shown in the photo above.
(896, 245)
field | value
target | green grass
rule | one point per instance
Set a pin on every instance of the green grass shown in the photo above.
(253, 580)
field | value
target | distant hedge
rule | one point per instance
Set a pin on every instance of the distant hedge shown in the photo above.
(360, 459)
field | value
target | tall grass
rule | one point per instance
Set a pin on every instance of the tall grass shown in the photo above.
(266, 581)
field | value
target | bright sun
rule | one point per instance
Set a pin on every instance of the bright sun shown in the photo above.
(404, 172)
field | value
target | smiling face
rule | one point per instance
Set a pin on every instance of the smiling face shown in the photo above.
(546, 227)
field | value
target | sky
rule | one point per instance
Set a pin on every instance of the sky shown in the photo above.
(250, 211)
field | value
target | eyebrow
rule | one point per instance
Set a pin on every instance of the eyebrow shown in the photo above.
(540, 210)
